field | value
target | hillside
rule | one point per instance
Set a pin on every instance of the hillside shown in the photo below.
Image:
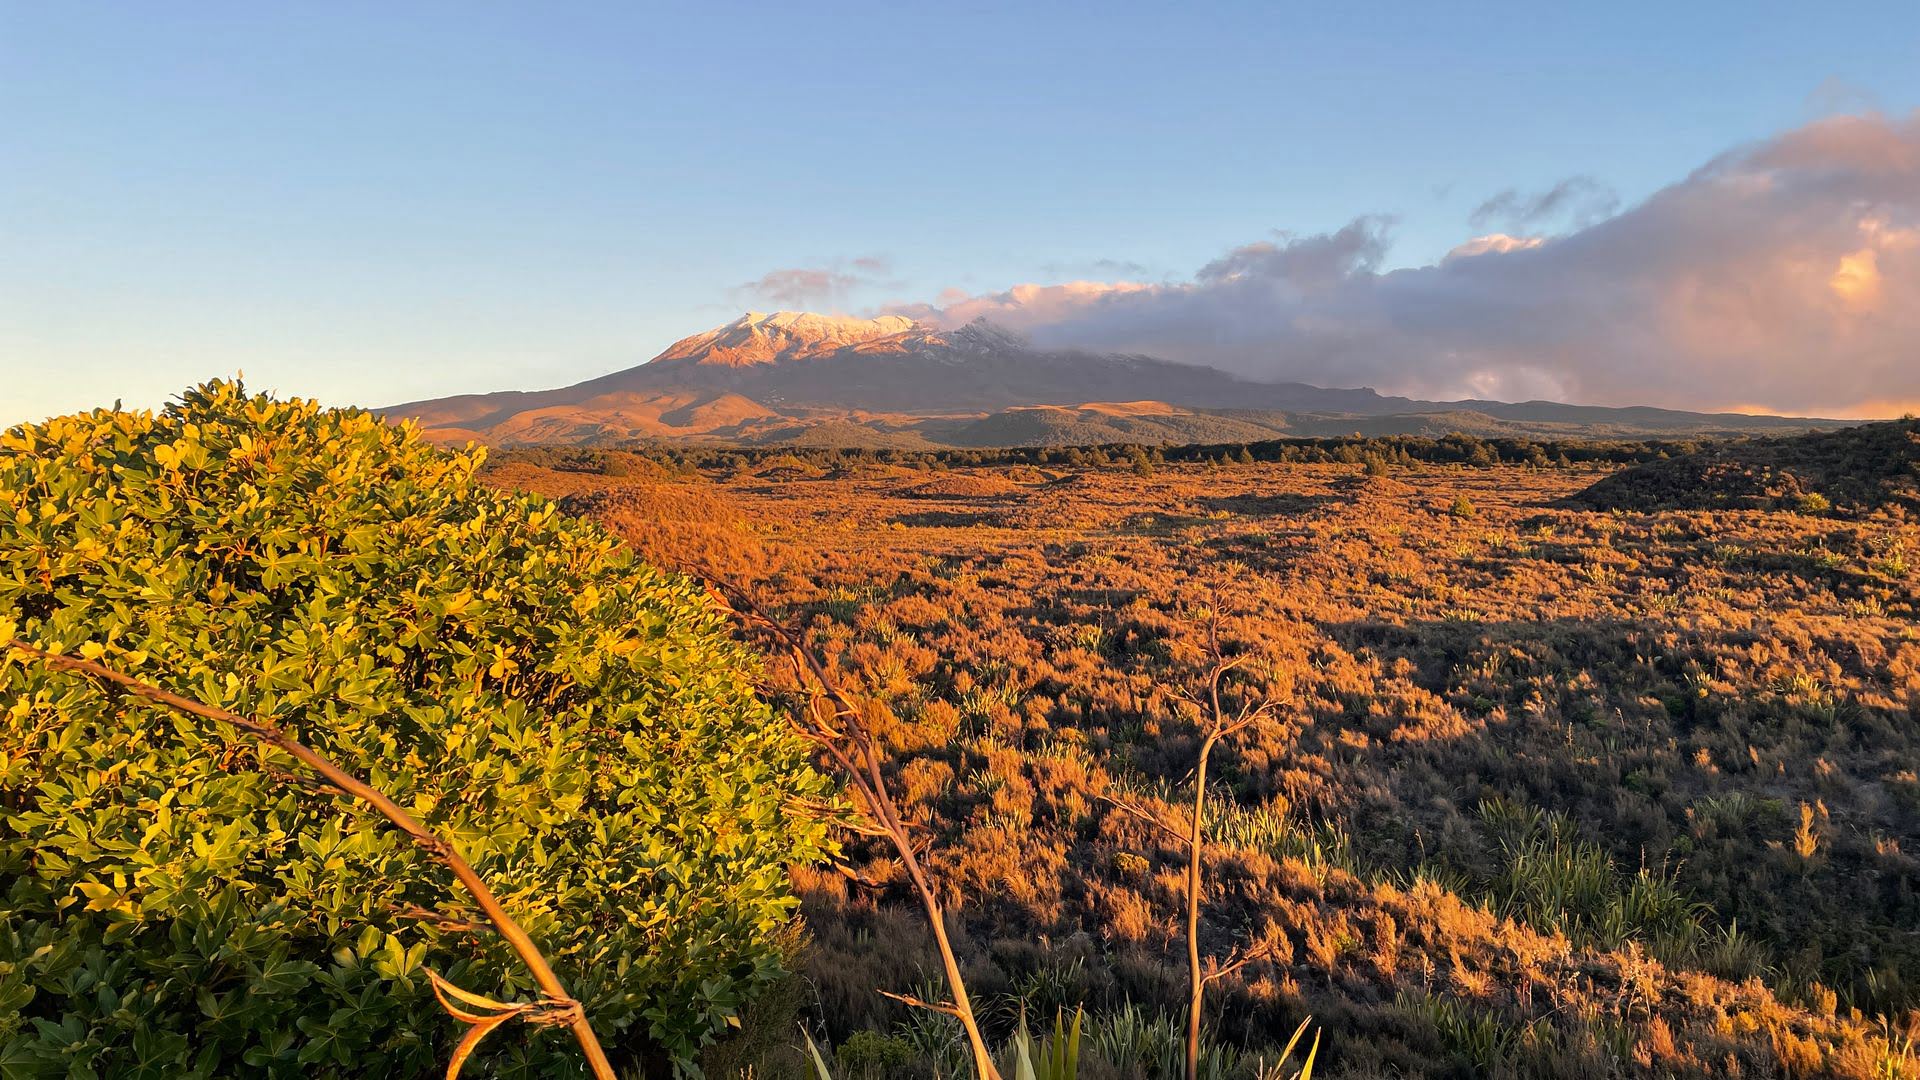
(802, 365)
(1863, 469)
(773, 378)
(1094, 423)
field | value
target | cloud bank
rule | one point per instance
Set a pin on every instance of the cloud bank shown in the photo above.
(1781, 276)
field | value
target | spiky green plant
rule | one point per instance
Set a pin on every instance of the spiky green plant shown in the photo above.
(1128, 1040)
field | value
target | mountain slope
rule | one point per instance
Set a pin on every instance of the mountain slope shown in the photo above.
(1102, 422)
(803, 365)
(774, 376)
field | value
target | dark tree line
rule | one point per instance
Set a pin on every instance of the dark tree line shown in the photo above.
(655, 458)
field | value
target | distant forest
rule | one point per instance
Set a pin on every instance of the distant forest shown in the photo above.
(1470, 450)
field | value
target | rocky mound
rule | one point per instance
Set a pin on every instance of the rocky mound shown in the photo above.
(1858, 470)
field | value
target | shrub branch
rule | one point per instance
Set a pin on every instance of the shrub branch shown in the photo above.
(556, 1008)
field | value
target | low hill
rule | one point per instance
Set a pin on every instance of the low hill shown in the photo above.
(1095, 423)
(1857, 470)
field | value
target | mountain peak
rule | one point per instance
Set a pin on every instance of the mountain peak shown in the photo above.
(810, 324)
(760, 337)
(981, 334)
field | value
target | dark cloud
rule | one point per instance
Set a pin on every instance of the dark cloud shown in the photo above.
(1578, 200)
(815, 287)
(1783, 275)
(1106, 268)
(799, 287)
(1306, 262)
(1835, 95)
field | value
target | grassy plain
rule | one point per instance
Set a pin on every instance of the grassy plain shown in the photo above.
(1553, 791)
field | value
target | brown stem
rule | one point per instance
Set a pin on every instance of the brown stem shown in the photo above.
(1218, 726)
(870, 781)
(853, 750)
(1147, 816)
(523, 945)
(1197, 980)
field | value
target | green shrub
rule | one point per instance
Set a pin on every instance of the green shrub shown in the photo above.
(1546, 876)
(1463, 508)
(870, 1053)
(178, 901)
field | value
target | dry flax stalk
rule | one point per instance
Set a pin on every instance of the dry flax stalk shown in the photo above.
(859, 759)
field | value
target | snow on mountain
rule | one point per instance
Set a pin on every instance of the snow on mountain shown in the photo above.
(763, 338)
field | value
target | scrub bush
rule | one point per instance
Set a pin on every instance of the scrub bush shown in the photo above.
(176, 899)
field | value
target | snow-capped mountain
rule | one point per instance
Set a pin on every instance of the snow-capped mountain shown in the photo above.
(768, 376)
(763, 338)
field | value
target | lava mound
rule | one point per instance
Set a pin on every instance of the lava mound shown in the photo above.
(1857, 470)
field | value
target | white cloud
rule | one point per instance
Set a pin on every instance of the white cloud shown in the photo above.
(1783, 274)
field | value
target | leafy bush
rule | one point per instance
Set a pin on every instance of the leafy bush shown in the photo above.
(179, 901)
(870, 1053)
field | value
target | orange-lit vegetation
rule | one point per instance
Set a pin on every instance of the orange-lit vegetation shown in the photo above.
(1548, 790)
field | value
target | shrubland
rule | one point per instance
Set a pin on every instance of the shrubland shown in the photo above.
(1501, 784)
(1549, 790)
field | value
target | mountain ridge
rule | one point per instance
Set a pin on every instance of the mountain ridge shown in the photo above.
(770, 376)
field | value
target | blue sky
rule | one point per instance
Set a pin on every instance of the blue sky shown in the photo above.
(371, 203)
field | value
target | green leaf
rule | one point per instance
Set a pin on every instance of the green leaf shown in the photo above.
(820, 1070)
